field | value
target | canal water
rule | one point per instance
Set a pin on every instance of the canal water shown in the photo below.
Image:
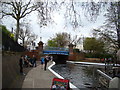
(81, 75)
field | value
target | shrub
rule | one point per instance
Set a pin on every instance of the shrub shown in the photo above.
(6, 31)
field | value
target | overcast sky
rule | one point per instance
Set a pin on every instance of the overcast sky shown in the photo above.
(58, 26)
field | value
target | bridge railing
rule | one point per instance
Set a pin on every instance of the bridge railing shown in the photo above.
(56, 48)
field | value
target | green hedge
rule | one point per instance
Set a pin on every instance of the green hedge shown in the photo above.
(6, 31)
(92, 55)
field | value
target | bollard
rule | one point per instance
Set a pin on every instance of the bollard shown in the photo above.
(115, 83)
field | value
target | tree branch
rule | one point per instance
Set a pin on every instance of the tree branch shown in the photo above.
(28, 12)
(9, 14)
(25, 7)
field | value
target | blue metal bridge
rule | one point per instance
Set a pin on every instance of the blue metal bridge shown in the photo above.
(60, 55)
(56, 50)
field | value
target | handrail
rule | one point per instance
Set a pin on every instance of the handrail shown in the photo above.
(104, 75)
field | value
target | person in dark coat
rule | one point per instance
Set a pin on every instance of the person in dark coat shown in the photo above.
(34, 61)
(26, 61)
(21, 60)
(31, 62)
(46, 59)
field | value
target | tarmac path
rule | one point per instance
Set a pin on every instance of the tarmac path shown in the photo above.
(38, 78)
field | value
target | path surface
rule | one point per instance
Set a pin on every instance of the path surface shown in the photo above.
(38, 78)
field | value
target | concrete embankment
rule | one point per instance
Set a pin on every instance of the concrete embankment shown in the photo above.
(10, 69)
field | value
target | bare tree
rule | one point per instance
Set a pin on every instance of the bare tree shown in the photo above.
(72, 14)
(26, 35)
(113, 15)
(45, 11)
(18, 9)
(47, 8)
(74, 40)
(92, 10)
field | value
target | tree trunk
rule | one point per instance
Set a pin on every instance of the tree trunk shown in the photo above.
(17, 31)
(23, 41)
(118, 27)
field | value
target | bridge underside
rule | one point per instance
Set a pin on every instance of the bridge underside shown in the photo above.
(59, 59)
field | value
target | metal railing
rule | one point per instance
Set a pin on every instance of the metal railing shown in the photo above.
(104, 75)
(103, 78)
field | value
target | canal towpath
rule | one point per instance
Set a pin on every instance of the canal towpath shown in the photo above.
(38, 78)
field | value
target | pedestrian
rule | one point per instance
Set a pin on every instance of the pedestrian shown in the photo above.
(29, 61)
(26, 61)
(46, 61)
(42, 61)
(51, 58)
(34, 61)
(102, 60)
(21, 60)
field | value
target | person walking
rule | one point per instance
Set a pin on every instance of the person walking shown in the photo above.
(51, 58)
(21, 60)
(26, 61)
(46, 61)
(31, 61)
(42, 61)
(34, 61)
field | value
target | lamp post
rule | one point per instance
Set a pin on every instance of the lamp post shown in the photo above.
(40, 38)
(33, 45)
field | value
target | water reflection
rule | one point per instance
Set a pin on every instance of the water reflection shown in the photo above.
(82, 76)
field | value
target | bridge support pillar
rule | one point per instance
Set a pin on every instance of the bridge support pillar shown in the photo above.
(40, 48)
(71, 51)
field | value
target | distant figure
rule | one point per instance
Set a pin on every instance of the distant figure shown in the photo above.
(46, 59)
(102, 60)
(26, 61)
(51, 58)
(109, 60)
(42, 61)
(34, 61)
(21, 60)
(30, 61)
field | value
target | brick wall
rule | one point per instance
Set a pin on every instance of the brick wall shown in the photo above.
(76, 56)
(33, 52)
